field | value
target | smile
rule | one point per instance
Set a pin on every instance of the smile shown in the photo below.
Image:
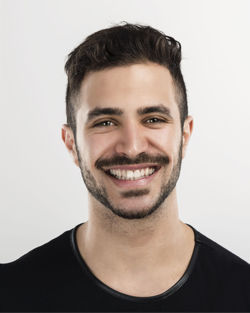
(130, 174)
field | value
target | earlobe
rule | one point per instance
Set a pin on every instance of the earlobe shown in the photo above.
(69, 141)
(187, 132)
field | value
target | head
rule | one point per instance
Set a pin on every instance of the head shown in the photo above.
(127, 117)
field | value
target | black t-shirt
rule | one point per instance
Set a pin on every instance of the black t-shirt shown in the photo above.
(54, 277)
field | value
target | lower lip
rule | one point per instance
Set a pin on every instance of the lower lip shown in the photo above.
(133, 183)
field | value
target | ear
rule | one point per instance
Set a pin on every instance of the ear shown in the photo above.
(187, 132)
(69, 140)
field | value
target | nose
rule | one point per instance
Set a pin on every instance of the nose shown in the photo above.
(132, 140)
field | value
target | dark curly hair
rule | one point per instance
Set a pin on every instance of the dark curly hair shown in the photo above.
(120, 45)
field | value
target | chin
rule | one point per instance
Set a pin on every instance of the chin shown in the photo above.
(133, 211)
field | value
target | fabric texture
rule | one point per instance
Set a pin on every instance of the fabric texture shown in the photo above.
(55, 278)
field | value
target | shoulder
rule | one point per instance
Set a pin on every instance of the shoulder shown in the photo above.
(221, 278)
(37, 264)
(40, 278)
(218, 251)
(220, 262)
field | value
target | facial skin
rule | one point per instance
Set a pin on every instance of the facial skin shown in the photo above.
(139, 129)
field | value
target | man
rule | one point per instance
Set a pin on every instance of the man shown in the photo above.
(127, 130)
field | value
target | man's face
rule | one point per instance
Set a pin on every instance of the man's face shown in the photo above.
(129, 139)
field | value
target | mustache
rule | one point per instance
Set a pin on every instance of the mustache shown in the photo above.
(123, 160)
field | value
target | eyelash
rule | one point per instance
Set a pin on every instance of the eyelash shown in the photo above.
(152, 118)
(156, 118)
(100, 124)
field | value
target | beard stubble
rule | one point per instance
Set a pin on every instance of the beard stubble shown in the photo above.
(101, 195)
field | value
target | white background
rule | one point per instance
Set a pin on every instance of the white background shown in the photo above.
(42, 193)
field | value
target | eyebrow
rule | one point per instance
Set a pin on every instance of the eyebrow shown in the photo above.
(103, 111)
(118, 112)
(155, 109)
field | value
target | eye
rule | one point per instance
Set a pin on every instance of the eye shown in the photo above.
(154, 120)
(104, 124)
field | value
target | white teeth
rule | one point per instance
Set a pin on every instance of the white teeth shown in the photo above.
(132, 175)
(119, 174)
(137, 174)
(151, 170)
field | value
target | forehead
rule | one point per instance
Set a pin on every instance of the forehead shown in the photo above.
(128, 88)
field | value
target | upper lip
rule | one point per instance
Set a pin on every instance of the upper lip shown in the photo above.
(131, 167)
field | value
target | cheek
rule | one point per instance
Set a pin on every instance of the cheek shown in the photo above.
(167, 141)
(96, 146)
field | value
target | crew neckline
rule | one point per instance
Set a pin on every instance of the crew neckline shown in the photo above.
(170, 291)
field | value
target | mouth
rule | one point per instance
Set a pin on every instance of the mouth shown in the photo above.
(132, 173)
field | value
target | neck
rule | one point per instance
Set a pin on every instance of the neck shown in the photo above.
(161, 225)
(113, 246)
